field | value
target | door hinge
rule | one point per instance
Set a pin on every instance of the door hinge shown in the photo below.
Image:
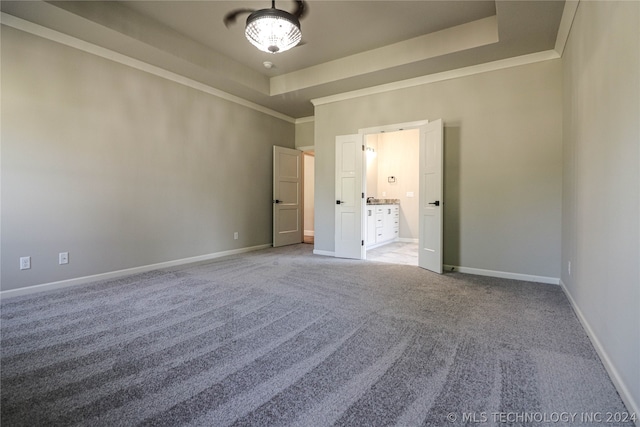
(363, 195)
(363, 243)
(363, 148)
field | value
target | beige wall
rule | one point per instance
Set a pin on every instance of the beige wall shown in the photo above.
(601, 192)
(503, 160)
(304, 133)
(398, 156)
(371, 158)
(121, 168)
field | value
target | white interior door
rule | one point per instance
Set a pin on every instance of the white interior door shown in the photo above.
(349, 197)
(287, 193)
(430, 227)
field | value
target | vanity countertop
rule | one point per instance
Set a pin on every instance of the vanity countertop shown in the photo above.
(383, 202)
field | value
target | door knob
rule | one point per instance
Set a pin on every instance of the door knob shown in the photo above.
(340, 201)
(277, 201)
(437, 203)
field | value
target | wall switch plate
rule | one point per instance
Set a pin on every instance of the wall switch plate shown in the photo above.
(25, 263)
(569, 267)
(63, 258)
(235, 235)
(409, 193)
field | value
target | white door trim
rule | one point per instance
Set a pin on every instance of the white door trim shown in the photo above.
(393, 128)
(419, 124)
(396, 127)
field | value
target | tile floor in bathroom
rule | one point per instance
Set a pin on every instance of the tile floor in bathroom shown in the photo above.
(395, 253)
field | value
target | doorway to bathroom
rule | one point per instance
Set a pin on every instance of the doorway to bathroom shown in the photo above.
(350, 187)
(392, 195)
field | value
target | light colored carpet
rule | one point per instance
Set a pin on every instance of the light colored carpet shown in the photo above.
(283, 337)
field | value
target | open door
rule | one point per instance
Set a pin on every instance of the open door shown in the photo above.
(349, 197)
(430, 227)
(287, 193)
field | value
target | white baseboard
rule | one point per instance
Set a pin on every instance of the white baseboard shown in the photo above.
(503, 274)
(324, 253)
(618, 382)
(309, 232)
(120, 273)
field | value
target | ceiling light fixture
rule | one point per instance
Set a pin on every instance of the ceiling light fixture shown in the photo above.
(273, 30)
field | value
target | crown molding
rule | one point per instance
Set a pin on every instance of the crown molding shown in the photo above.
(473, 34)
(64, 39)
(438, 77)
(568, 14)
(305, 119)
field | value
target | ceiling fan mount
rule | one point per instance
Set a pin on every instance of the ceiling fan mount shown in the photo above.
(271, 30)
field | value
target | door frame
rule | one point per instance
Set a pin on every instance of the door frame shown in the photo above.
(420, 125)
(306, 151)
(393, 128)
(375, 130)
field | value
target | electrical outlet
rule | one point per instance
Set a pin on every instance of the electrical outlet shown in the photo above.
(235, 235)
(63, 258)
(25, 263)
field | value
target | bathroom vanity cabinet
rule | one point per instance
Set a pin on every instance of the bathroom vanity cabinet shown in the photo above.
(383, 224)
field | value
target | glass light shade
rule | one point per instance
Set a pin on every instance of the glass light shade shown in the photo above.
(273, 30)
